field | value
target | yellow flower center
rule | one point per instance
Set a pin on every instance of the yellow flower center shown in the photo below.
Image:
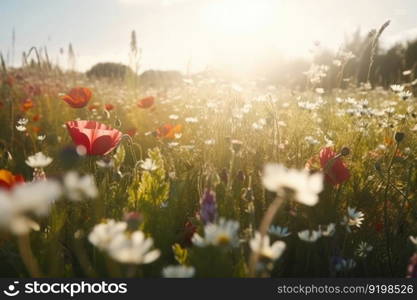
(223, 239)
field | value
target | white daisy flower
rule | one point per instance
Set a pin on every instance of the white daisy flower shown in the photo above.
(279, 231)
(148, 164)
(210, 142)
(22, 121)
(262, 247)
(103, 233)
(312, 141)
(191, 120)
(404, 95)
(397, 88)
(21, 128)
(78, 187)
(310, 236)
(132, 248)
(105, 163)
(41, 137)
(328, 230)
(363, 249)
(38, 160)
(225, 233)
(353, 219)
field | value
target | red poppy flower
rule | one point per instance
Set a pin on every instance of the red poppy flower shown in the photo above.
(36, 118)
(146, 102)
(26, 105)
(78, 97)
(8, 179)
(334, 168)
(168, 131)
(97, 138)
(108, 107)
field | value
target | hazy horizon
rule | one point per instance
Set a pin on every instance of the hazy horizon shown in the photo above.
(174, 34)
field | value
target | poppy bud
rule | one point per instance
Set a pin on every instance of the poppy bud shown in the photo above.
(399, 136)
(133, 220)
(345, 151)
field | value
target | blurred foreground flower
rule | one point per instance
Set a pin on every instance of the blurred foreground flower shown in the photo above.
(97, 138)
(132, 248)
(224, 233)
(305, 186)
(78, 97)
(18, 205)
(77, 187)
(103, 233)
(178, 272)
(123, 246)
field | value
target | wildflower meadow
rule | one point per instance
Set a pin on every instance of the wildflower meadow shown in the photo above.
(208, 176)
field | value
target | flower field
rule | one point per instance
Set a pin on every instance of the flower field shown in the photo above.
(207, 178)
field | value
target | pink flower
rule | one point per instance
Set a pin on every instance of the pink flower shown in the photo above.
(97, 138)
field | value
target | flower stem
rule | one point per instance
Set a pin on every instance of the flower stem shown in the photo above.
(265, 223)
(27, 256)
(386, 228)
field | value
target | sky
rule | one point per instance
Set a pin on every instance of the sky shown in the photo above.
(194, 34)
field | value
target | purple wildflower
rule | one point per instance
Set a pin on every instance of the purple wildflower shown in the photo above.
(208, 206)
